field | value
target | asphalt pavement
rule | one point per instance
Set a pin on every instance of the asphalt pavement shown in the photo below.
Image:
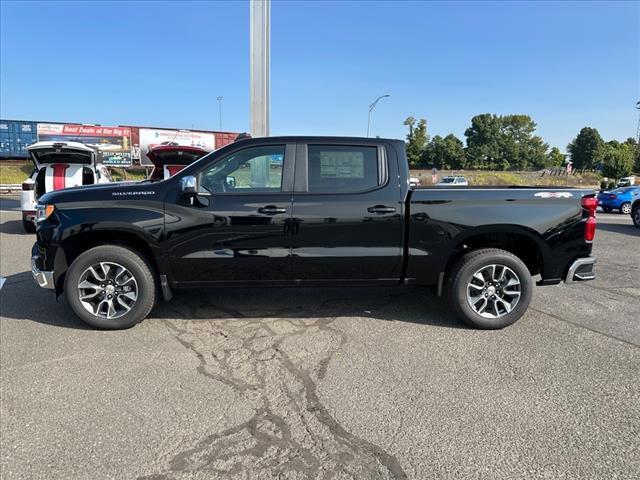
(323, 383)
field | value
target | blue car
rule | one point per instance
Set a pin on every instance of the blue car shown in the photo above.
(619, 199)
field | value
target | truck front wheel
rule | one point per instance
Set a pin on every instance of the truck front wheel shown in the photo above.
(489, 288)
(110, 287)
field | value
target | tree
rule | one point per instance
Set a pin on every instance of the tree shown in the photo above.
(617, 159)
(483, 148)
(501, 142)
(587, 149)
(635, 149)
(519, 147)
(445, 153)
(555, 158)
(416, 141)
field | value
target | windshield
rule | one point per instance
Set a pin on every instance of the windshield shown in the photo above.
(447, 180)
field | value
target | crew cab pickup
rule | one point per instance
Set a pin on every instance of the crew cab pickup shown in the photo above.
(287, 211)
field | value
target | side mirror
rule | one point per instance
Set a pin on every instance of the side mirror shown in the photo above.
(188, 186)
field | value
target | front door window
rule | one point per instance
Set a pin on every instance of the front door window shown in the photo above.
(253, 170)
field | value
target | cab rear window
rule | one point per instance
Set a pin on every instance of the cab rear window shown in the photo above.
(342, 169)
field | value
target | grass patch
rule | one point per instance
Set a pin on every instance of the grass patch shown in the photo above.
(120, 174)
(528, 179)
(15, 173)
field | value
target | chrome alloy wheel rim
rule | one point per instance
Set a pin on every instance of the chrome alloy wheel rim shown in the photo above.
(494, 291)
(107, 290)
(626, 209)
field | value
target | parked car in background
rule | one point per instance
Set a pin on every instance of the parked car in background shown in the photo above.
(414, 182)
(619, 199)
(627, 181)
(58, 165)
(453, 181)
(170, 159)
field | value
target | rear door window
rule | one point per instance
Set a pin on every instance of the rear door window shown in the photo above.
(342, 169)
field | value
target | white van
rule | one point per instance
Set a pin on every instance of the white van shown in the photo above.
(626, 182)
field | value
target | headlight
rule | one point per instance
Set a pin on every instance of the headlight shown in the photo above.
(43, 212)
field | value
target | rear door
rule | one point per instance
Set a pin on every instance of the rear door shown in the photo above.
(347, 222)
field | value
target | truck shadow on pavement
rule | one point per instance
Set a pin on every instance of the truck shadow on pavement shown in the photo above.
(23, 299)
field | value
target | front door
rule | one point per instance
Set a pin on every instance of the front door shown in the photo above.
(347, 220)
(237, 228)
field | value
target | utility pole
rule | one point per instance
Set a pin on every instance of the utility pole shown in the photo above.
(260, 38)
(637, 152)
(220, 110)
(371, 107)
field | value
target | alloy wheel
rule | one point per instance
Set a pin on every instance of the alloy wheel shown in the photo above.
(107, 290)
(626, 209)
(494, 291)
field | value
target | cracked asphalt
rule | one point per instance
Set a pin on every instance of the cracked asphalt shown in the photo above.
(323, 383)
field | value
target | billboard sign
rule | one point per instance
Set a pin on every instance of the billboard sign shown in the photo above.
(150, 137)
(112, 143)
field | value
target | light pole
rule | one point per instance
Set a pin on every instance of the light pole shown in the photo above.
(259, 41)
(220, 110)
(371, 107)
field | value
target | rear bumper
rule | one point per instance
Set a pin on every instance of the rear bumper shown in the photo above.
(581, 270)
(29, 216)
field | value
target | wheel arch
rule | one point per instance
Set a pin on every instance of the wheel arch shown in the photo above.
(524, 243)
(76, 244)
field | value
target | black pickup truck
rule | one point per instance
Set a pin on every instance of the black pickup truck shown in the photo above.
(285, 211)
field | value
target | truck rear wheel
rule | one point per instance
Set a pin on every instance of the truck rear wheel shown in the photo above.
(110, 287)
(489, 288)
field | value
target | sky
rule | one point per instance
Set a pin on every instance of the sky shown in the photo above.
(162, 64)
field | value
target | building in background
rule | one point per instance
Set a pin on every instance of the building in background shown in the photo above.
(119, 145)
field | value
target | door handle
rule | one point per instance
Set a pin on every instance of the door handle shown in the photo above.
(272, 210)
(381, 209)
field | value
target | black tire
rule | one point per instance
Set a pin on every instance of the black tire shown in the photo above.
(635, 214)
(28, 226)
(461, 274)
(625, 208)
(136, 264)
(606, 209)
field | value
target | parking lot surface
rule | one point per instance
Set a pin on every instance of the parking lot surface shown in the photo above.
(323, 383)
